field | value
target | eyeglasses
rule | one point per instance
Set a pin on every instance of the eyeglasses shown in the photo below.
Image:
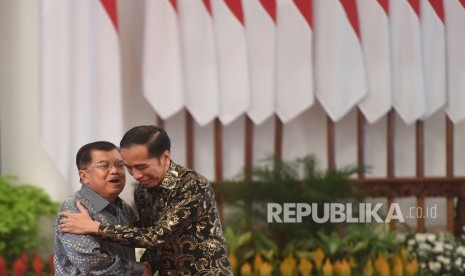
(104, 165)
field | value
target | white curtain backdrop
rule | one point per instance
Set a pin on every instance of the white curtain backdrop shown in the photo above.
(227, 59)
(81, 99)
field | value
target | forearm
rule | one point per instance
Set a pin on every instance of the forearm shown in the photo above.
(148, 237)
(184, 207)
(173, 220)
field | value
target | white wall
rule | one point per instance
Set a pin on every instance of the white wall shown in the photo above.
(22, 155)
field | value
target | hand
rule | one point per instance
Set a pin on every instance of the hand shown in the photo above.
(147, 270)
(78, 223)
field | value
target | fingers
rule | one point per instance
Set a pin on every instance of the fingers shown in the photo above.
(64, 225)
(81, 207)
(82, 210)
(66, 214)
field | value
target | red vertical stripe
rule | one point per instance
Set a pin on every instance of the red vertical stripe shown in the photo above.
(174, 4)
(305, 8)
(110, 7)
(208, 6)
(438, 8)
(415, 6)
(463, 3)
(270, 8)
(236, 7)
(352, 14)
(385, 5)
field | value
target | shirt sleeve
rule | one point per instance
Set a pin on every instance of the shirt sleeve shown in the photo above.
(87, 254)
(184, 207)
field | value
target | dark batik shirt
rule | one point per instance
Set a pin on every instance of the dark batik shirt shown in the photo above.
(89, 254)
(180, 226)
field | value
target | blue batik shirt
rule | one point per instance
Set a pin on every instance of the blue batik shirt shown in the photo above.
(89, 254)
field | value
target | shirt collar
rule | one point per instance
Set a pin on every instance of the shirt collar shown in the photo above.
(171, 177)
(97, 202)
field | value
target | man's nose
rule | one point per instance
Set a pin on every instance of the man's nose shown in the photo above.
(136, 174)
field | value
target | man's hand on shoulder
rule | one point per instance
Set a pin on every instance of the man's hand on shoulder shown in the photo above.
(78, 223)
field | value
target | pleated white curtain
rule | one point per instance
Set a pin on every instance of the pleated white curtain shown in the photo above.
(221, 59)
(265, 57)
(81, 98)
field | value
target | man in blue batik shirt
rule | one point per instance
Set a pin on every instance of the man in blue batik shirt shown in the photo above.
(102, 174)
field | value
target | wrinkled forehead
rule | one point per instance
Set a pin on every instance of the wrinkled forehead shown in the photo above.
(104, 155)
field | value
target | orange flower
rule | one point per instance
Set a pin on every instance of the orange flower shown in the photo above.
(265, 269)
(327, 268)
(257, 262)
(345, 268)
(404, 255)
(342, 268)
(368, 269)
(233, 261)
(352, 263)
(305, 267)
(246, 269)
(397, 267)
(382, 266)
(288, 266)
(412, 268)
(318, 258)
(337, 267)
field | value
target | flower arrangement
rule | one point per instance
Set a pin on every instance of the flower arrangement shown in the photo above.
(319, 264)
(26, 265)
(437, 254)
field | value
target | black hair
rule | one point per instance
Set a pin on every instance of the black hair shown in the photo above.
(83, 156)
(154, 138)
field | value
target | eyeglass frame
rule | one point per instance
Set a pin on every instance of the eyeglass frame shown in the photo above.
(105, 165)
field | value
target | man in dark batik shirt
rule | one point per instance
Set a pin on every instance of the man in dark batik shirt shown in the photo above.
(179, 220)
(102, 174)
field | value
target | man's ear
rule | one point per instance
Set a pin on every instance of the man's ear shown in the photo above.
(83, 177)
(166, 155)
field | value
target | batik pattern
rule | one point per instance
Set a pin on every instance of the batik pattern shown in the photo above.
(180, 226)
